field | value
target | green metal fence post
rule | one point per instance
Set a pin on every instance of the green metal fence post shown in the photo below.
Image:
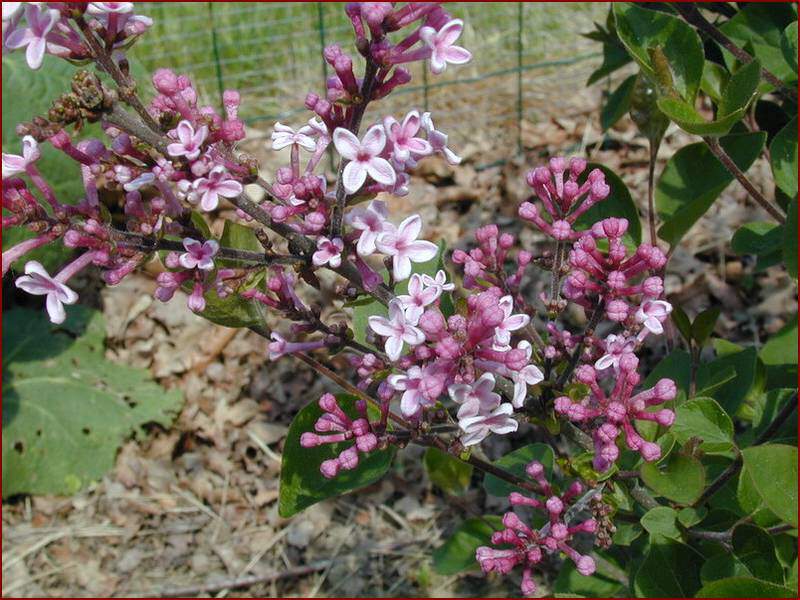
(520, 21)
(215, 50)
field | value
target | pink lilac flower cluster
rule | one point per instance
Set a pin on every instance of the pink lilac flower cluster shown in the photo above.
(45, 28)
(614, 413)
(340, 428)
(457, 356)
(519, 544)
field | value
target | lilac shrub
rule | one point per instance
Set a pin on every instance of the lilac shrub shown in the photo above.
(462, 359)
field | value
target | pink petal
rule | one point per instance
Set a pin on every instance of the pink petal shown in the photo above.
(381, 325)
(450, 32)
(176, 149)
(413, 336)
(34, 55)
(411, 124)
(457, 55)
(516, 322)
(438, 64)
(428, 35)
(419, 146)
(409, 229)
(381, 171)
(393, 347)
(354, 176)
(421, 251)
(401, 267)
(19, 38)
(415, 285)
(229, 188)
(185, 131)
(55, 309)
(374, 141)
(409, 403)
(347, 144)
(12, 164)
(209, 201)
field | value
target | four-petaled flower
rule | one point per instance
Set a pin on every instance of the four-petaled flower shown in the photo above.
(363, 157)
(37, 281)
(652, 313)
(502, 334)
(439, 279)
(616, 347)
(14, 164)
(371, 221)
(498, 421)
(478, 398)
(284, 136)
(441, 44)
(189, 140)
(404, 247)
(396, 330)
(419, 296)
(328, 252)
(528, 375)
(198, 255)
(218, 183)
(402, 136)
(40, 23)
(438, 140)
(410, 383)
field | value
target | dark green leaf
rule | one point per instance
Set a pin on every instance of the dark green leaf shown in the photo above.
(779, 355)
(626, 533)
(772, 468)
(642, 30)
(682, 322)
(741, 89)
(652, 123)
(722, 566)
(689, 516)
(744, 587)
(766, 409)
(790, 241)
(458, 552)
(704, 418)
(617, 104)
(618, 204)
(687, 118)
(714, 376)
(789, 45)
(614, 57)
(662, 520)
(66, 409)
(783, 157)
(199, 221)
(302, 484)
(450, 474)
(670, 569)
(676, 366)
(757, 238)
(753, 546)
(516, 462)
(238, 237)
(693, 178)
(232, 311)
(680, 478)
(703, 325)
(715, 78)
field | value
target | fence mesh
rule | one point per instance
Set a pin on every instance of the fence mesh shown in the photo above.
(529, 60)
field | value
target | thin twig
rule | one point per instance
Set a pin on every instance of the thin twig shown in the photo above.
(651, 205)
(573, 361)
(719, 152)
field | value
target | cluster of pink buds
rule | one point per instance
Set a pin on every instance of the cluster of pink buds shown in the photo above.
(45, 28)
(520, 544)
(194, 267)
(608, 415)
(564, 199)
(483, 266)
(341, 428)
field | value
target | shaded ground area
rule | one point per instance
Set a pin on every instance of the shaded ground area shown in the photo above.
(197, 505)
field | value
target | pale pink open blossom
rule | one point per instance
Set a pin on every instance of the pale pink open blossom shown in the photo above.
(438, 140)
(40, 22)
(440, 279)
(502, 335)
(442, 46)
(528, 375)
(477, 428)
(404, 247)
(403, 137)
(478, 398)
(410, 383)
(371, 221)
(37, 281)
(329, 252)
(363, 157)
(396, 330)
(189, 141)
(616, 347)
(284, 136)
(652, 313)
(13, 164)
(218, 183)
(419, 296)
(104, 8)
(199, 255)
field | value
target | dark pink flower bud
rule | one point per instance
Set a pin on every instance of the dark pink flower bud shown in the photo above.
(166, 82)
(617, 310)
(666, 389)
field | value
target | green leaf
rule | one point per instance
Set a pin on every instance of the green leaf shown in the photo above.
(448, 473)
(687, 118)
(783, 158)
(626, 533)
(662, 520)
(762, 239)
(676, 366)
(689, 516)
(302, 484)
(66, 409)
(199, 221)
(766, 408)
(789, 45)
(671, 569)
(704, 418)
(790, 243)
(744, 587)
(516, 462)
(715, 78)
(681, 320)
(761, 26)
(754, 548)
(772, 468)
(617, 104)
(693, 178)
(239, 237)
(680, 478)
(458, 552)
(714, 376)
(722, 566)
(703, 325)
(618, 204)
(614, 57)
(233, 310)
(741, 89)
(779, 355)
(642, 30)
